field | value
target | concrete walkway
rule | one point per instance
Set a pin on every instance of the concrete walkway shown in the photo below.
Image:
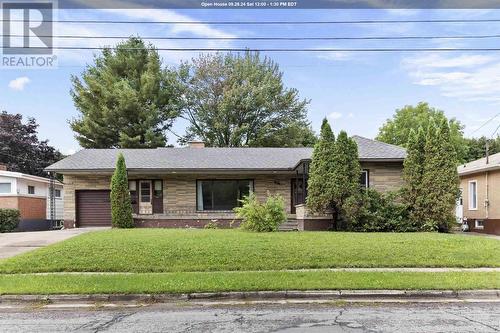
(14, 243)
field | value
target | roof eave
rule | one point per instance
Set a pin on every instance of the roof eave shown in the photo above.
(174, 170)
(478, 170)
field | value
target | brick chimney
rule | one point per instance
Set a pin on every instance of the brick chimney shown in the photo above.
(196, 144)
(3, 167)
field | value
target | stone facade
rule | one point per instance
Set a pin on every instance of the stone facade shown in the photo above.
(384, 176)
(80, 182)
(179, 193)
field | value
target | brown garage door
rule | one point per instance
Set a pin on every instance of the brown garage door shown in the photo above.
(93, 208)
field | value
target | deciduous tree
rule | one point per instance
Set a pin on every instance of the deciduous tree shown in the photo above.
(397, 130)
(240, 100)
(20, 148)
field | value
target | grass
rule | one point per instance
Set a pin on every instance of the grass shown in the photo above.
(241, 281)
(181, 250)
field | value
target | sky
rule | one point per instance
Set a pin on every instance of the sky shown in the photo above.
(358, 92)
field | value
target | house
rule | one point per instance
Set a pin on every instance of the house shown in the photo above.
(189, 187)
(480, 200)
(31, 196)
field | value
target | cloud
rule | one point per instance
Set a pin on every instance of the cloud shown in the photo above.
(336, 56)
(468, 78)
(439, 61)
(19, 83)
(335, 115)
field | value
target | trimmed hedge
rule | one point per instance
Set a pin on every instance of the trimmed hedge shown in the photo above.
(9, 219)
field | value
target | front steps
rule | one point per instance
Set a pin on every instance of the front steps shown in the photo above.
(290, 225)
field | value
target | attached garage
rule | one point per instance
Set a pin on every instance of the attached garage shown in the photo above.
(93, 208)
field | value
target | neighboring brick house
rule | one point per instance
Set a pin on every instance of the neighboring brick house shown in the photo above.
(480, 200)
(31, 196)
(181, 187)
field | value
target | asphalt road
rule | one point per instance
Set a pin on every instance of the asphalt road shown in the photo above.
(479, 317)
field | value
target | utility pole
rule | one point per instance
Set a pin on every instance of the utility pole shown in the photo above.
(487, 151)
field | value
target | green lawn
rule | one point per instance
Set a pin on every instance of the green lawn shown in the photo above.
(241, 281)
(188, 250)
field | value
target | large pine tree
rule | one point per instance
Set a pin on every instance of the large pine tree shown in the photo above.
(125, 99)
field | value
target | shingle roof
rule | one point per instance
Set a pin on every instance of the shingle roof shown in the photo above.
(480, 165)
(213, 158)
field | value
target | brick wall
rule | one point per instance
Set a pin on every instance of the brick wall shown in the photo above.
(29, 208)
(8, 202)
(32, 208)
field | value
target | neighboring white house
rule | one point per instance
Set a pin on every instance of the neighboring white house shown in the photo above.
(31, 196)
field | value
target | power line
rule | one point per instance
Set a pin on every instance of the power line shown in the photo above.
(271, 49)
(486, 123)
(265, 38)
(265, 22)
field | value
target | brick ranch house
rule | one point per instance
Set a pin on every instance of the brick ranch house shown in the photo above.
(189, 187)
(480, 200)
(31, 195)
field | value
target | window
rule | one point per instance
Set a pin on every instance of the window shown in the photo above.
(479, 224)
(145, 187)
(221, 194)
(473, 195)
(5, 188)
(31, 189)
(157, 193)
(364, 180)
(57, 193)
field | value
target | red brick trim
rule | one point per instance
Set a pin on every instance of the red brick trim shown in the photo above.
(490, 226)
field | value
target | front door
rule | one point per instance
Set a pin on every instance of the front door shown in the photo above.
(145, 205)
(298, 195)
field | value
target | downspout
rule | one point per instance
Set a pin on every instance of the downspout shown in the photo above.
(487, 201)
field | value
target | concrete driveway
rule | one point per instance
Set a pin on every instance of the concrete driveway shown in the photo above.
(14, 243)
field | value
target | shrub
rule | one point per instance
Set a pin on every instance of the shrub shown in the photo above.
(121, 206)
(261, 217)
(9, 219)
(375, 211)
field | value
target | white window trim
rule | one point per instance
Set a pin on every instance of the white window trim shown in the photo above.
(365, 172)
(476, 226)
(470, 195)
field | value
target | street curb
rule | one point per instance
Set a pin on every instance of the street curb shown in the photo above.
(366, 295)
